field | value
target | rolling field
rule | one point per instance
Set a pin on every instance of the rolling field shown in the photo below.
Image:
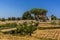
(41, 24)
(10, 37)
(37, 35)
(49, 33)
(44, 34)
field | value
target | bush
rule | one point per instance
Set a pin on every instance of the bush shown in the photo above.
(8, 25)
(23, 29)
(3, 19)
(26, 28)
(59, 23)
(53, 23)
(11, 24)
(18, 18)
(11, 18)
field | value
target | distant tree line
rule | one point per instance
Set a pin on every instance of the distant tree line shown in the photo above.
(33, 14)
(10, 18)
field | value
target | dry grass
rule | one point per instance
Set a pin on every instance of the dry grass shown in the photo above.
(10, 37)
(49, 33)
(41, 24)
(37, 35)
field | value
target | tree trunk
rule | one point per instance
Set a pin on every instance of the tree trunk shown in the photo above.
(30, 33)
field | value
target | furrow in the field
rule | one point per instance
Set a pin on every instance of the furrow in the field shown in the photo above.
(55, 33)
(46, 35)
(58, 37)
(49, 34)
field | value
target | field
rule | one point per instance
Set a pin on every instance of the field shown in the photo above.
(10, 37)
(37, 35)
(41, 24)
(49, 33)
(44, 34)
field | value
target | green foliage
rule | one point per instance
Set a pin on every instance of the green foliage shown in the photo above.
(43, 19)
(35, 12)
(18, 18)
(26, 28)
(11, 24)
(27, 15)
(3, 19)
(8, 25)
(13, 18)
(38, 11)
(53, 17)
(59, 23)
(9, 18)
(39, 14)
(58, 19)
(53, 23)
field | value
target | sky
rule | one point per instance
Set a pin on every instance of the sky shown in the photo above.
(16, 8)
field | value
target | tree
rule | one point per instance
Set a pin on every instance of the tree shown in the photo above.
(18, 18)
(13, 18)
(2, 19)
(58, 18)
(26, 28)
(9, 18)
(53, 17)
(27, 15)
(39, 13)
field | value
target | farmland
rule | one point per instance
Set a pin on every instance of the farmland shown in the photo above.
(29, 20)
(49, 33)
(39, 34)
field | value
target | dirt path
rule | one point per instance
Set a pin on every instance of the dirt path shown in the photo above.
(6, 30)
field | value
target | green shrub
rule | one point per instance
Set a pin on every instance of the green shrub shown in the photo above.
(3, 19)
(23, 29)
(53, 23)
(8, 25)
(11, 24)
(59, 23)
(26, 28)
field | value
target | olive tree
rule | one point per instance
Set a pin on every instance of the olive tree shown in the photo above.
(39, 14)
(27, 15)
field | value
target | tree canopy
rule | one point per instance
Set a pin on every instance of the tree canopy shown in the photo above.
(38, 11)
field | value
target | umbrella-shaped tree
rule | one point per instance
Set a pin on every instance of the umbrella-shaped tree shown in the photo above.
(39, 13)
(27, 15)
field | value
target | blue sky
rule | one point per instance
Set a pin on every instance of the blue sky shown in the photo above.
(9, 8)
